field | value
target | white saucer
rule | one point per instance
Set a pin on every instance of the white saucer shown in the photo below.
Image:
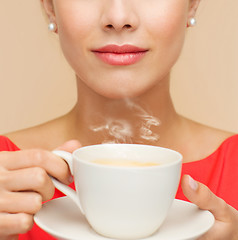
(62, 219)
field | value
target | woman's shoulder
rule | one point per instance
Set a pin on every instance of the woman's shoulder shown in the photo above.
(218, 136)
(231, 140)
(215, 138)
(25, 138)
(229, 147)
(45, 136)
(203, 140)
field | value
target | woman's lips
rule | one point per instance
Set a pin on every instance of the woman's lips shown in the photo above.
(120, 58)
(120, 55)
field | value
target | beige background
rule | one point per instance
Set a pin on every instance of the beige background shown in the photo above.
(37, 84)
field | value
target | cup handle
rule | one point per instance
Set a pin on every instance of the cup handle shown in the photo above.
(68, 157)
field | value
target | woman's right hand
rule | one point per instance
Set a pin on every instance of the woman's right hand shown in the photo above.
(25, 184)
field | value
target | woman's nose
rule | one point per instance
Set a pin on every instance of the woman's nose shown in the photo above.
(120, 15)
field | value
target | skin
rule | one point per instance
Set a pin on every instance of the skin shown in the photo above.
(160, 27)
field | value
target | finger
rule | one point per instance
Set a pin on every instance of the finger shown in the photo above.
(53, 164)
(70, 146)
(29, 179)
(20, 202)
(12, 224)
(204, 198)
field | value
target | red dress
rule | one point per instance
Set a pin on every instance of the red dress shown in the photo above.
(219, 171)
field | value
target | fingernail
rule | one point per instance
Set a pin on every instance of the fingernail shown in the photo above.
(192, 183)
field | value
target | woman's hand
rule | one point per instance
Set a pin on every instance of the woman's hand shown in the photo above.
(25, 183)
(226, 217)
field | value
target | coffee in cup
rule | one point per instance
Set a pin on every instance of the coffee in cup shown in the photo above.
(124, 163)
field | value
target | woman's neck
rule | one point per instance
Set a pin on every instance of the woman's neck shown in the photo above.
(145, 119)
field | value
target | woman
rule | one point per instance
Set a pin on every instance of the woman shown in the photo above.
(122, 52)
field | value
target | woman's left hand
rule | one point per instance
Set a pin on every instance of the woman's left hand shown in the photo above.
(226, 217)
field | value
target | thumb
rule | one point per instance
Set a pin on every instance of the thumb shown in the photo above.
(204, 198)
(70, 146)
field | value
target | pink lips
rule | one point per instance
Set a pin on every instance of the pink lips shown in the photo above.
(120, 55)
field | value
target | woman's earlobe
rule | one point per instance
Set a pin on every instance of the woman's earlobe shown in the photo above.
(194, 4)
(192, 12)
(48, 7)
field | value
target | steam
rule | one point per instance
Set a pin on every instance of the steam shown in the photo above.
(121, 130)
(147, 122)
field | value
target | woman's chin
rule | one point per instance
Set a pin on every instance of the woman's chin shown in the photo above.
(113, 88)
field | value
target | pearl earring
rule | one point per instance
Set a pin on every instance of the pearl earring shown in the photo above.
(192, 22)
(52, 27)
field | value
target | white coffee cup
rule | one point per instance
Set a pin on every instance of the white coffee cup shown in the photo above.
(123, 202)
